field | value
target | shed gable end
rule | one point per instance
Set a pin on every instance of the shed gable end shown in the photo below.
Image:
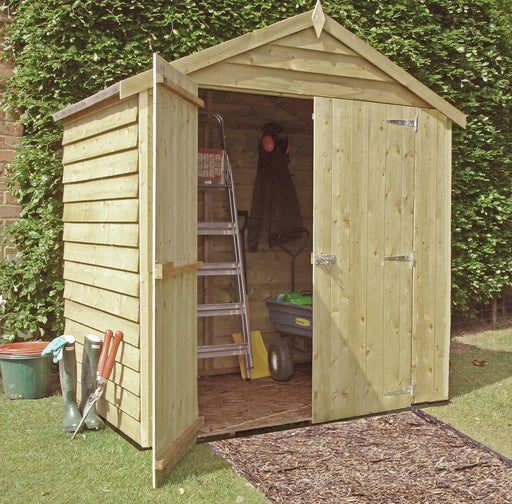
(302, 65)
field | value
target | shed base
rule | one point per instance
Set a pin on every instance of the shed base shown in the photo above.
(230, 404)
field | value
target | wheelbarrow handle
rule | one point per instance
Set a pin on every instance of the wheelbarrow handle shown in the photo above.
(109, 364)
(104, 353)
(301, 232)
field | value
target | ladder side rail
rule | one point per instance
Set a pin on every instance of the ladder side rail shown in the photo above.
(242, 287)
(241, 307)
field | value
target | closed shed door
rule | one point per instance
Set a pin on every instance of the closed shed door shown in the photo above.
(363, 272)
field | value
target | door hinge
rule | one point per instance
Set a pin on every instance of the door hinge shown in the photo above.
(325, 260)
(402, 258)
(411, 123)
(406, 390)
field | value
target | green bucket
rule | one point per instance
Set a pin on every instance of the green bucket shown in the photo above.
(26, 374)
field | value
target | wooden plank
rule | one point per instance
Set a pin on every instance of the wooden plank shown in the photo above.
(340, 361)
(115, 395)
(106, 143)
(443, 259)
(242, 78)
(357, 272)
(425, 291)
(123, 378)
(125, 210)
(396, 274)
(113, 117)
(175, 451)
(307, 61)
(96, 190)
(128, 402)
(167, 270)
(176, 82)
(101, 320)
(116, 280)
(125, 235)
(128, 354)
(307, 39)
(146, 263)
(117, 163)
(394, 71)
(377, 233)
(136, 84)
(122, 421)
(109, 256)
(106, 94)
(407, 243)
(322, 214)
(126, 307)
(190, 64)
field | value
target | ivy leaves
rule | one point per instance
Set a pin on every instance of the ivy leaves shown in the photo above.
(66, 50)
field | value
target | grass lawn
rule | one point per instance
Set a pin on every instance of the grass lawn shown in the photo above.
(481, 396)
(40, 463)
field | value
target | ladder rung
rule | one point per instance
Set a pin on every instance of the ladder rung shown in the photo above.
(217, 310)
(216, 228)
(205, 352)
(219, 269)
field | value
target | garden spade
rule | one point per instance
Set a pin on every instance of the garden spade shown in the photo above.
(105, 364)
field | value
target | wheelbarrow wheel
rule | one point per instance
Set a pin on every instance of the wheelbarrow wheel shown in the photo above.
(280, 360)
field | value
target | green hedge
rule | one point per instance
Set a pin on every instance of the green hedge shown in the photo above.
(66, 50)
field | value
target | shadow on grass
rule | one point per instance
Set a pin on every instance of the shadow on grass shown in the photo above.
(466, 376)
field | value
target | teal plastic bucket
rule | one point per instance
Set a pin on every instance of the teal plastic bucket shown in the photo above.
(26, 374)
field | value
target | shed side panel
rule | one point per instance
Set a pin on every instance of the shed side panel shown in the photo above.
(101, 240)
(433, 257)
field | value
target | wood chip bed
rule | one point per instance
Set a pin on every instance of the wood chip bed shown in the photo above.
(406, 457)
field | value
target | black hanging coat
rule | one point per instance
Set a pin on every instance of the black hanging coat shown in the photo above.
(275, 207)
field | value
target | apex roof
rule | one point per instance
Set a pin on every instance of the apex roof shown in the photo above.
(310, 55)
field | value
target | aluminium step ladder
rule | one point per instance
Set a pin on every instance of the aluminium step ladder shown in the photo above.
(215, 173)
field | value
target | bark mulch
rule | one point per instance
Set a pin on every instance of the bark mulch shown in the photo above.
(407, 457)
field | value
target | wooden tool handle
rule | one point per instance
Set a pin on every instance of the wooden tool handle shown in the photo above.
(107, 369)
(104, 352)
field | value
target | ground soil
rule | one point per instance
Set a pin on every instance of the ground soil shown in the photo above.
(406, 457)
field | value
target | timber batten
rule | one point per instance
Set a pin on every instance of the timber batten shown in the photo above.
(372, 189)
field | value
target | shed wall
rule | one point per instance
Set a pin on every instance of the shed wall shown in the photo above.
(101, 246)
(432, 289)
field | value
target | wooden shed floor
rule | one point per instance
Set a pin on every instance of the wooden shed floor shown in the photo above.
(230, 404)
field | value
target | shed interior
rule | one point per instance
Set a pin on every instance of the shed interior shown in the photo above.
(261, 402)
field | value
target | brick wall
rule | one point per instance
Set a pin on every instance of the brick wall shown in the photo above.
(10, 134)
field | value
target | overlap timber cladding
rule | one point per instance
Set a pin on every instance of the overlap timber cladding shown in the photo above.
(101, 246)
(300, 64)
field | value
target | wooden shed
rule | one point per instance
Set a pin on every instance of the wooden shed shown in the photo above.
(371, 163)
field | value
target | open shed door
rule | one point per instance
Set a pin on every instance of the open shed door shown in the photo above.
(363, 257)
(174, 353)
